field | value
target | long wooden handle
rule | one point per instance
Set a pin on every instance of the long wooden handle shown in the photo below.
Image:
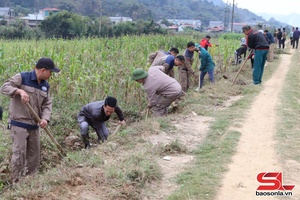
(147, 112)
(118, 127)
(38, 120)
(241, 67)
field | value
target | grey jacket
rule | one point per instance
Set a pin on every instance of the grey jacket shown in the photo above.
(158, 83)
(39, 98)
(95, 115)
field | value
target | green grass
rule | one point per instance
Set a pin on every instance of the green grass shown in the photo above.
(288, 140)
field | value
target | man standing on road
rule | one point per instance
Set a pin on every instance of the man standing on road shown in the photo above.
(95, 114)
(279, 37)
(161, 89)
(291, 36)
(296, 35)
(28, 88)
(271, 42)
(256, 40)
(283, 38)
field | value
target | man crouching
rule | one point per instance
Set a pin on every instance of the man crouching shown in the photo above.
(95, 114)
(160, 88)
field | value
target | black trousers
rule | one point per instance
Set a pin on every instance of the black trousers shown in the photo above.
(295, 43)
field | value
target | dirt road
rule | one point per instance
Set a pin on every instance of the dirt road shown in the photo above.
(255, 150)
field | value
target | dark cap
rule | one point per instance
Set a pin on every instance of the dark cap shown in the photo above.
(47, 63)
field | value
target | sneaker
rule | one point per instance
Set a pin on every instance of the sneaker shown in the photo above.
(197, 89)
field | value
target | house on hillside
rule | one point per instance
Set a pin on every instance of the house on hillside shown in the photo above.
(46, 12)
(6, 13)
(33, 20)
(191, 23)
(170, 29)
(216, 26)
(237, 27)
(116, 20)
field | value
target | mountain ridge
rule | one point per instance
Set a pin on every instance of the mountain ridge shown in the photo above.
(291, 19)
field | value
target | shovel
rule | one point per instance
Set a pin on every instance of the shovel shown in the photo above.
(234, 79)
(147, 112)
(38, 120)
(118, 127)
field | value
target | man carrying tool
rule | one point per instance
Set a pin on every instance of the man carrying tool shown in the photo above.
(257, 41)
(95, 114)
(28, 88)
(161, 89)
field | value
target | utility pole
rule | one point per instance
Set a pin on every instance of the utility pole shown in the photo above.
(232, 17)
(36, 13)
(100, 16)
(227, 15)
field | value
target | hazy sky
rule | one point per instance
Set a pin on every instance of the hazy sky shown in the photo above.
(269, 6)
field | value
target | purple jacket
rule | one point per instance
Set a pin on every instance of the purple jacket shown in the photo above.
(296, 34)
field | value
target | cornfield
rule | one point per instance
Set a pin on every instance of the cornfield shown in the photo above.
(95, 67)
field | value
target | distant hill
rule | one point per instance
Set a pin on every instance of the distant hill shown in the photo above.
(205, 10)
(292, 19)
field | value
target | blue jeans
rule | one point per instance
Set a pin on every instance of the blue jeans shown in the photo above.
(211, 77)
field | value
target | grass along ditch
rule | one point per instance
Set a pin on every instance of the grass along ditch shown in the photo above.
(287, 136)
(127, 164)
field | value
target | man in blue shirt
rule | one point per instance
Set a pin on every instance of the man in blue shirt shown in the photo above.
(165, 59)
(271, 42)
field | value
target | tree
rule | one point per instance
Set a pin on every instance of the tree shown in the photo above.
(165, 22)
(65, 25)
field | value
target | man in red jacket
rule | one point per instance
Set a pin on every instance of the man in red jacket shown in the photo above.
(204, 43)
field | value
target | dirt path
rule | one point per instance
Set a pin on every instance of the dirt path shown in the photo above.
(255, 150)
(191, 130)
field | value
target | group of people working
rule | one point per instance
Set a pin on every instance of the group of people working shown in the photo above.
(158, 82)
(33, 89)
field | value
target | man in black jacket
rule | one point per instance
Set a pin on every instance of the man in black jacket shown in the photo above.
(95, 114)
(279, 37)
(256, 40)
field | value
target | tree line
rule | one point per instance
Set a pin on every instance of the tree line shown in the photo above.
(92, 14)
(69, 25)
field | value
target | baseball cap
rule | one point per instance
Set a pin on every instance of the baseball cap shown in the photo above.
(47, 63)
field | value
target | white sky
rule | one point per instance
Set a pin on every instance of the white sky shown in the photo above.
(269, 6)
